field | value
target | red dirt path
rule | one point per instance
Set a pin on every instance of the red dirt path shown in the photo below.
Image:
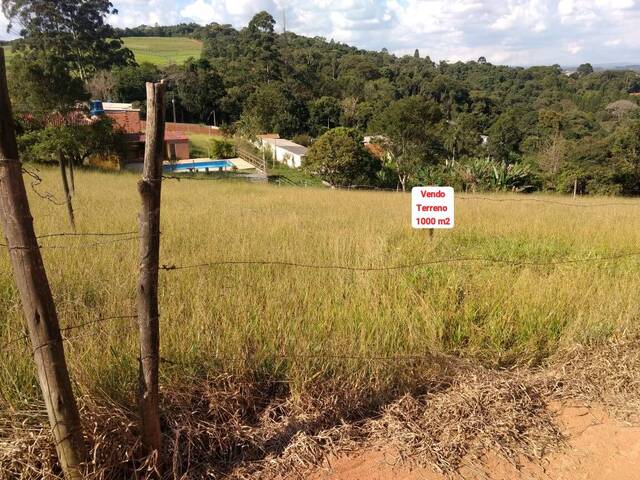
(599, 448)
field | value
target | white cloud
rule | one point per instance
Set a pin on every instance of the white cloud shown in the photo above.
(504, 31)
(529, 14)
(573, 48)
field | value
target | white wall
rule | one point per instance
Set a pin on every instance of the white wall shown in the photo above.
(290, 159)
(282, 155)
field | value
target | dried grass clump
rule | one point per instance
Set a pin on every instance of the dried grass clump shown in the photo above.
(27, 451)
(247, 428)
(608, 375)
(503, 413)
(223, 427)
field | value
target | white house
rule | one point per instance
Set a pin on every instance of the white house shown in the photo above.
(284, 151)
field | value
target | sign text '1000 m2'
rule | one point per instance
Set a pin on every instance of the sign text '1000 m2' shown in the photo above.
(432, 207)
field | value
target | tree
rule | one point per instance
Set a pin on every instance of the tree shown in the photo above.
(324, 114)
(462, 137)
(38, 84)
(504, 138)
(409, 127)
(626, 148)
(78, 142)
(102, 85)
(339, 158)
(72, 33)
(71, 144)
(274, 109)
(199, 88)
(222, 148)
(259, 42)
(584, 69)
(130, 81)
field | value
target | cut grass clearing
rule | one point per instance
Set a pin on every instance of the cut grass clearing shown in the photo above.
(162, 51)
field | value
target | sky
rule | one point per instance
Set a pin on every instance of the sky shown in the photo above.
(514, 32)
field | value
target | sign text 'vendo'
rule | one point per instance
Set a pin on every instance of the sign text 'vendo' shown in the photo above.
(432, 207)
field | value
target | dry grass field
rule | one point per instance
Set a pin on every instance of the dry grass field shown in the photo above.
(519, 279)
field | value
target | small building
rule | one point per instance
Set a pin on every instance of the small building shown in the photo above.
(124, 115)
(283, 150)
(176, 146)
(128, 119)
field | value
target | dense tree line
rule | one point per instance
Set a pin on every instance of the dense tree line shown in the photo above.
(474, 125)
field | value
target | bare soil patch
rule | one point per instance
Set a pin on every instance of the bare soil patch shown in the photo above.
(598, 447)
(573, 418)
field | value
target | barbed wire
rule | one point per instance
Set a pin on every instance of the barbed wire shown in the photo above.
(409, 266)
(74, 247)
(553, 202)
(86, 234)
(523, 198)
(37, 181)
(72, 328)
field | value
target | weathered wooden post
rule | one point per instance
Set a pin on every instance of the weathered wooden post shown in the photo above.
(148, 315)
(37, 300)
(67, 192)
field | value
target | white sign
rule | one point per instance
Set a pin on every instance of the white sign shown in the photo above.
(432, 207)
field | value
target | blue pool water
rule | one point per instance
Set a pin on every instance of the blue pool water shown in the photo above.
(212, 165)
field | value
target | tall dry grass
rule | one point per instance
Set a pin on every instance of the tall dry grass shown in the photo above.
(301, 325)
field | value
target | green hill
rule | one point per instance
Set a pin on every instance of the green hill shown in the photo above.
(163, 50)
(158, 50)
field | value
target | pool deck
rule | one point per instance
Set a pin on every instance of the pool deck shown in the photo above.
(239, 163)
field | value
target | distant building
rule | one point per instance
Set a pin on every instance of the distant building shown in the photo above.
(128, 119)
(284, 151)
(124, 115)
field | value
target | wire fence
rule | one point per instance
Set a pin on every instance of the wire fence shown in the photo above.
(172, 268)
(70, 328)
(382, 268)
(408, 266)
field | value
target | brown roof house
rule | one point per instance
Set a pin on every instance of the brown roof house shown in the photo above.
(128, 119)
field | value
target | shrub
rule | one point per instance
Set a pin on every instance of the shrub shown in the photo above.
(339, 158)
(222, 148)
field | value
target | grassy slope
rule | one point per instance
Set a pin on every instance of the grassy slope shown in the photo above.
(163, 50)
(199, 145)
(158, 50)
(250, 315)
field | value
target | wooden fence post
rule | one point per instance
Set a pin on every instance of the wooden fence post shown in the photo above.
(37, 300)
(148, 316)
(67, 192)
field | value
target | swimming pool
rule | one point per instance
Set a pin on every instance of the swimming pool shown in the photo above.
(199, 166)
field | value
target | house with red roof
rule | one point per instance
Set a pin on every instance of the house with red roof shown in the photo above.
(176, 144)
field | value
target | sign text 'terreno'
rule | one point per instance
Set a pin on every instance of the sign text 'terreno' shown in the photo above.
(432, 207)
